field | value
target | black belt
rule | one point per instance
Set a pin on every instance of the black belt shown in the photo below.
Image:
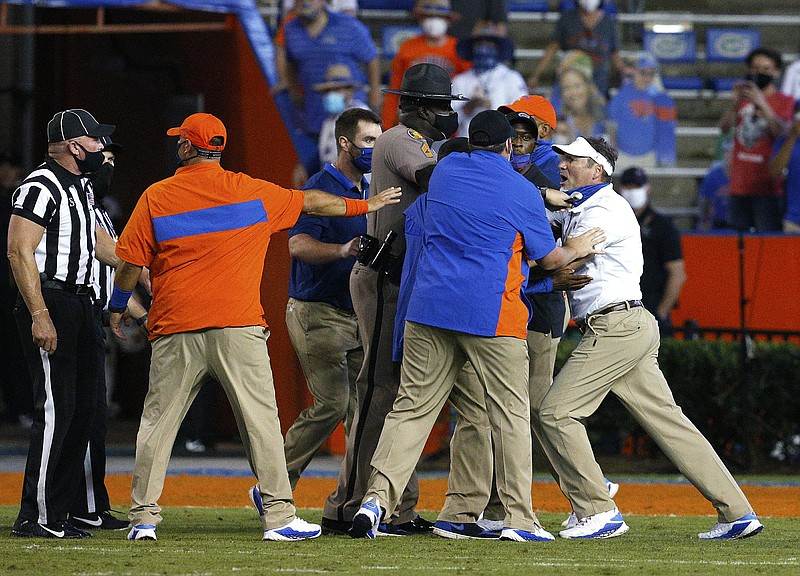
(77, 289)
(618, 307)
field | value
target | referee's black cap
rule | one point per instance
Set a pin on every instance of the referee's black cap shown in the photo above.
(112, 146)
(74, 123)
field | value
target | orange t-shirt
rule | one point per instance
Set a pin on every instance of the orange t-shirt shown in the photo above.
(204, 234)
(413, 51)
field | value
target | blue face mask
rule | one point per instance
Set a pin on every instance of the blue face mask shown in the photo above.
(363, 162)
(521, 161)
(333, 102)
(484, 57)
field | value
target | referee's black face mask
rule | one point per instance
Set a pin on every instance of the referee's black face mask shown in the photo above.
(92, 161)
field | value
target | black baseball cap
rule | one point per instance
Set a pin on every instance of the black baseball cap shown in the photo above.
(74, 123)
(633, 176)
(111, 146)
(489, 128)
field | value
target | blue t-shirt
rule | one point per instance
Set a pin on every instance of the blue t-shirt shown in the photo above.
(792, 184)
(344, 40)
(715, 189)
(329, 282)
(646, 121)
(483, 221)
(547, 160)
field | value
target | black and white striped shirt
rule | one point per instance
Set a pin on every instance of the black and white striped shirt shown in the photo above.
(103, 274)
(58, 200)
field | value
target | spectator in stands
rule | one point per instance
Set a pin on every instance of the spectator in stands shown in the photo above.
(345, 6)
(474, 11)
(589, 28)
(582, 110)
(759, 114)
(791, 80)
(489, 83)
(642, 119)
(313, 41)
(433, 46)
(785, 164)
(663, 274)
(575, 59)
(715, 191)
(541, 112)
(338, 91)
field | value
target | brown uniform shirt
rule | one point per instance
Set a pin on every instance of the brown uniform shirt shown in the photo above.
(399, 153)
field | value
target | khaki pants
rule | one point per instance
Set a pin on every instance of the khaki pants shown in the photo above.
(375, 303)
(238, 359)
(432, 360)
(542, 350)
(325, 339)
(619, 353)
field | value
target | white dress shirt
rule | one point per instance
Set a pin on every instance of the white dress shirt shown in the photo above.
(615, 274)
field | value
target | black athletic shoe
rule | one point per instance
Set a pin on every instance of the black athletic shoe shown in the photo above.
(103, 521)
(337, 527)
(417, 526)
(29, 529)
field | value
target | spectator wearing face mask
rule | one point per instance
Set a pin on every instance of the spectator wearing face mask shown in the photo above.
(433, 46)
(338, 92)
(663, 274)
(642, 119)
(489, 83)
(586, 28)
(759, 114)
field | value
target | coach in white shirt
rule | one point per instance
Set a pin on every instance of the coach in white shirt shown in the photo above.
(619, 353)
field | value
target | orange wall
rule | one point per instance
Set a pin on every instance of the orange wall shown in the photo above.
(772, 282)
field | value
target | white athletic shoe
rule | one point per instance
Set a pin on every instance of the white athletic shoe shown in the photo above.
(490, 525)
(538, 534)
(142, 532)
(613, 487)
(603, 525)
(571, 521)
(297, 529)
(744, 527)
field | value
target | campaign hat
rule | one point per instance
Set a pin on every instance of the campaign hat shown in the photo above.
(427, 81)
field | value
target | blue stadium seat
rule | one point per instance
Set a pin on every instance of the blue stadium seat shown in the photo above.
(528, 5)
(674, 48)
(385, 4)
(730, 44)
(393, 36)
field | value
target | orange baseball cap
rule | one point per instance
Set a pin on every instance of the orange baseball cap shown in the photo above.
(533, 105)
(199, 129)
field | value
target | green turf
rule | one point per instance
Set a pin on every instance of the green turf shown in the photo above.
(227, 541)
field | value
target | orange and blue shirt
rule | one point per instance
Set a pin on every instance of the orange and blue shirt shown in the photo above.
(204, 233)
(483, 222)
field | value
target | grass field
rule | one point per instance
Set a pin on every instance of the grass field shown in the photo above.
(227, 541)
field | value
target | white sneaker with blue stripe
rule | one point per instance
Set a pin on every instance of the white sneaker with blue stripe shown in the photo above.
(538, 534)
(612, 487)
(255, 497)
(142, 532)
(297, 529)
(603, 525)
(744, 527)
(366, 520)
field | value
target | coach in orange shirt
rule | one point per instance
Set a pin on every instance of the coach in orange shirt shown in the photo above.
(204, 233)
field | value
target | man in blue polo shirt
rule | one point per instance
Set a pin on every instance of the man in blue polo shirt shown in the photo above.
(320, 318)
(483, 222)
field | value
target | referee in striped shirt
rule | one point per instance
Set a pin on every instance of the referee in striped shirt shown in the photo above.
(51, 245)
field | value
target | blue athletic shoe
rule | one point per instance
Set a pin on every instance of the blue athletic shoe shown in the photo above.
(142, 532)
(538, 534)
(255, 497)
(297, 529)
(603, 525)
(366, 520)
(744, 527)
(463, 531)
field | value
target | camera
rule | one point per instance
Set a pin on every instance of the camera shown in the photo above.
(376, 254)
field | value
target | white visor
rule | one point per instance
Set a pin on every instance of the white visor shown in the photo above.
(582, 149)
